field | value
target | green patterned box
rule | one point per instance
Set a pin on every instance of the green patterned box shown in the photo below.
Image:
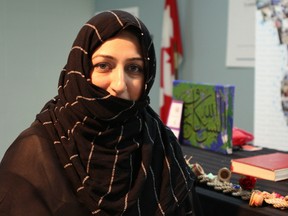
(207, 120)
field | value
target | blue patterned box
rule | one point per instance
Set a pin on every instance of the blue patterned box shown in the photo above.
(207, 120)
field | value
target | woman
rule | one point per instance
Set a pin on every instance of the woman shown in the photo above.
(98, 148)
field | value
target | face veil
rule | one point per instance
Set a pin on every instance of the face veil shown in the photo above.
(117, 154)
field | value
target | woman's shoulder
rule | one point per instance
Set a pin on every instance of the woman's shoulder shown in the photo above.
(31, 143)
(35, 134)
(31, 150)
(31, 166)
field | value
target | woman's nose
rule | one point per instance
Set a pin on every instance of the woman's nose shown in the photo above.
(118, 82)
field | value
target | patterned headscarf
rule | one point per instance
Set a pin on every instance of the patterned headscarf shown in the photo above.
(118, 155)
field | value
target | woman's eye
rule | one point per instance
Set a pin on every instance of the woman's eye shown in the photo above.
(102, 67)
(134, 68)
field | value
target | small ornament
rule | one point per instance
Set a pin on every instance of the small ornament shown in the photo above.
(256, 198)
(224, 174)
(247, 182)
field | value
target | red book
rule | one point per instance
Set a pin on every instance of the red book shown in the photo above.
(272, 166)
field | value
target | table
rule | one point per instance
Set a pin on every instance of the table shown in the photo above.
(212, 202)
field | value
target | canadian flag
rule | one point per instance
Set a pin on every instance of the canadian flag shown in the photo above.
(171, 55)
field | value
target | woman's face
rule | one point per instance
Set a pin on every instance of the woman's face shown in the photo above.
(119, 67)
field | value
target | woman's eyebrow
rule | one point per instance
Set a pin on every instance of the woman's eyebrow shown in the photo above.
(136, 59)
(112, 58)
(103, 56)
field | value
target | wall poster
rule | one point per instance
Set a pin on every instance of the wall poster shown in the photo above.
(271, 75)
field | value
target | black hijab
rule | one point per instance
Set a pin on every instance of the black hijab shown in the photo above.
(118, 155)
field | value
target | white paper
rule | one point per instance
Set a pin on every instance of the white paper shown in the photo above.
(241, 34)
(175, 116)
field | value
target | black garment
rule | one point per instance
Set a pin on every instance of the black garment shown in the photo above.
(39, 186)
(33, 182)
